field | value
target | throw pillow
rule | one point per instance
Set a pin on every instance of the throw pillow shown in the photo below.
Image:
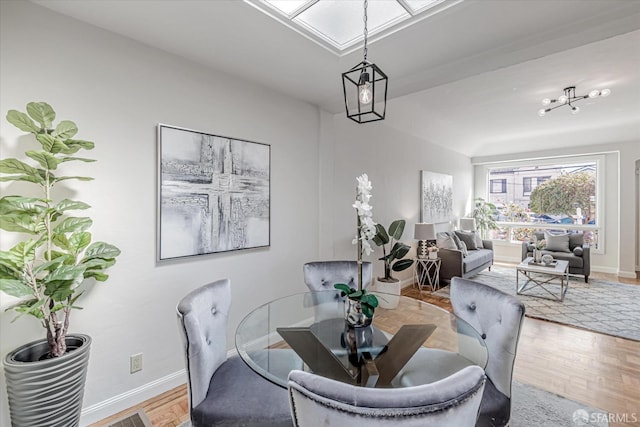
(463, 248)
(556, 242)
(456, 239)
(445, 241)
(469, 239)
(577, 251)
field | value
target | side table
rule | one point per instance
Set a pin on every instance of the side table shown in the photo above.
(426, 272)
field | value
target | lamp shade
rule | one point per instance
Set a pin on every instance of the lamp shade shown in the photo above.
(468, 224)
(424, 231)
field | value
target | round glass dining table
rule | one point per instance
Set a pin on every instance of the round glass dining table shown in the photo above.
(410, 342)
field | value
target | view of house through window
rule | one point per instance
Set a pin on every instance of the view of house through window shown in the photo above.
(554, 197)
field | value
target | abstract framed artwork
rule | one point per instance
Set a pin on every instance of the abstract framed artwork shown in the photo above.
(436, 197)
(214, 193)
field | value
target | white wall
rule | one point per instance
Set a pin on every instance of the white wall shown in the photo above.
(393, 160)
(117, 90)
(621, 199)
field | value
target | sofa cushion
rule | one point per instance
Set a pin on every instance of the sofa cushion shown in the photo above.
(578, 251)
(444, 240)
(576, 240)
(574, 261)
(469, 239)
(477, 258)
(556, 242)
(463, 248)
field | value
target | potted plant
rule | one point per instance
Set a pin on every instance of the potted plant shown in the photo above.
(46, 271)
(484, 214)
(433, 252)
(393, 253)
(361, 305)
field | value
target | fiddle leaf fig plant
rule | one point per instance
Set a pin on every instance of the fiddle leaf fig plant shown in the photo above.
(47, 269)
(393, 251)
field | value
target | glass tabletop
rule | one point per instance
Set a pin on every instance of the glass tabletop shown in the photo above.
(409, 342)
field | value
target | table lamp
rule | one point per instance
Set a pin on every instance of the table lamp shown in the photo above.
(424, 233)
(468, 224)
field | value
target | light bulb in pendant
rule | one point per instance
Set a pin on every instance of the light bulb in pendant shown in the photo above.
(542, 112)
(563, 99)
(365, 94)
(605, 92)
(546, 102)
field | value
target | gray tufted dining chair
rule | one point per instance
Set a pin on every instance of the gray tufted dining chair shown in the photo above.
(498, 318)
(453, 402)
(322, 275)
(223, 391)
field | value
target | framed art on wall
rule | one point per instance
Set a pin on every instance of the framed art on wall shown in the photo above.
(436, 197)
(214, 193)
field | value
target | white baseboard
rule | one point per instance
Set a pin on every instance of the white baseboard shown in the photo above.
(106, 408)
(627, 274)
(509, 259)
(406, 283)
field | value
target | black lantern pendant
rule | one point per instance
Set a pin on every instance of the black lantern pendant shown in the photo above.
(365, 88)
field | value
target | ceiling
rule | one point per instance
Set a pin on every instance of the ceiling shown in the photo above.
(469, 78)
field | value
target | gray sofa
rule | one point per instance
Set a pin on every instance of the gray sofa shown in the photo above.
(455, 264)
(579, 259)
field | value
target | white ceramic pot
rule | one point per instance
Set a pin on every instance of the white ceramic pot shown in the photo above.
(433, 255)
(389, 296)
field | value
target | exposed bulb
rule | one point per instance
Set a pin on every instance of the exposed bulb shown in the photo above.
(594, 93)
(575, 110)
(546, 102)
(364, 93)
(563, 99)
(605, 92)
(542, 112)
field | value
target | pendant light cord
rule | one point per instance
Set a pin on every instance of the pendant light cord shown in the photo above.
(366, 32)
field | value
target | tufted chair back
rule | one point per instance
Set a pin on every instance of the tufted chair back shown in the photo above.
(322, 275)
(498, 318)
(202, 318)
(451, 402)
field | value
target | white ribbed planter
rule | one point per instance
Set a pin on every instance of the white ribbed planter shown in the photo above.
(391, 291)
(47, 393)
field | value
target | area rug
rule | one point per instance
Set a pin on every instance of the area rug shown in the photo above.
(136, 419)
(531, 406)
(602, 306)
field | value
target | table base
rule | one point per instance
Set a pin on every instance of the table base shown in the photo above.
(538, 279)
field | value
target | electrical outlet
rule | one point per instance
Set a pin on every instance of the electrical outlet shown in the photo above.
(135, 362)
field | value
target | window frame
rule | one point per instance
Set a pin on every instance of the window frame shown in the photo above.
(598, 159)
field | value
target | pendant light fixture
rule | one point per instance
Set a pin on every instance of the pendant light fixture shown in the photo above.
(568, 99)
(365, 88)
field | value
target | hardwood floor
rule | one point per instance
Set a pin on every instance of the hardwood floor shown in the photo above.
(595, 369)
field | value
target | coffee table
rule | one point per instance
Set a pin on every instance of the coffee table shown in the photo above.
(543, 276)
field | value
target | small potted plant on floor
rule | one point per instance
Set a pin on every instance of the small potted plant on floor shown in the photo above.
(46, 271)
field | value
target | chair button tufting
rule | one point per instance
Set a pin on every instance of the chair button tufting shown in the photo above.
(484, 336)
(213, 310)
(472, 306)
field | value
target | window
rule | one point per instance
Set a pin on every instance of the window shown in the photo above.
(529, 183)
(498, 185)
(567, 201)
